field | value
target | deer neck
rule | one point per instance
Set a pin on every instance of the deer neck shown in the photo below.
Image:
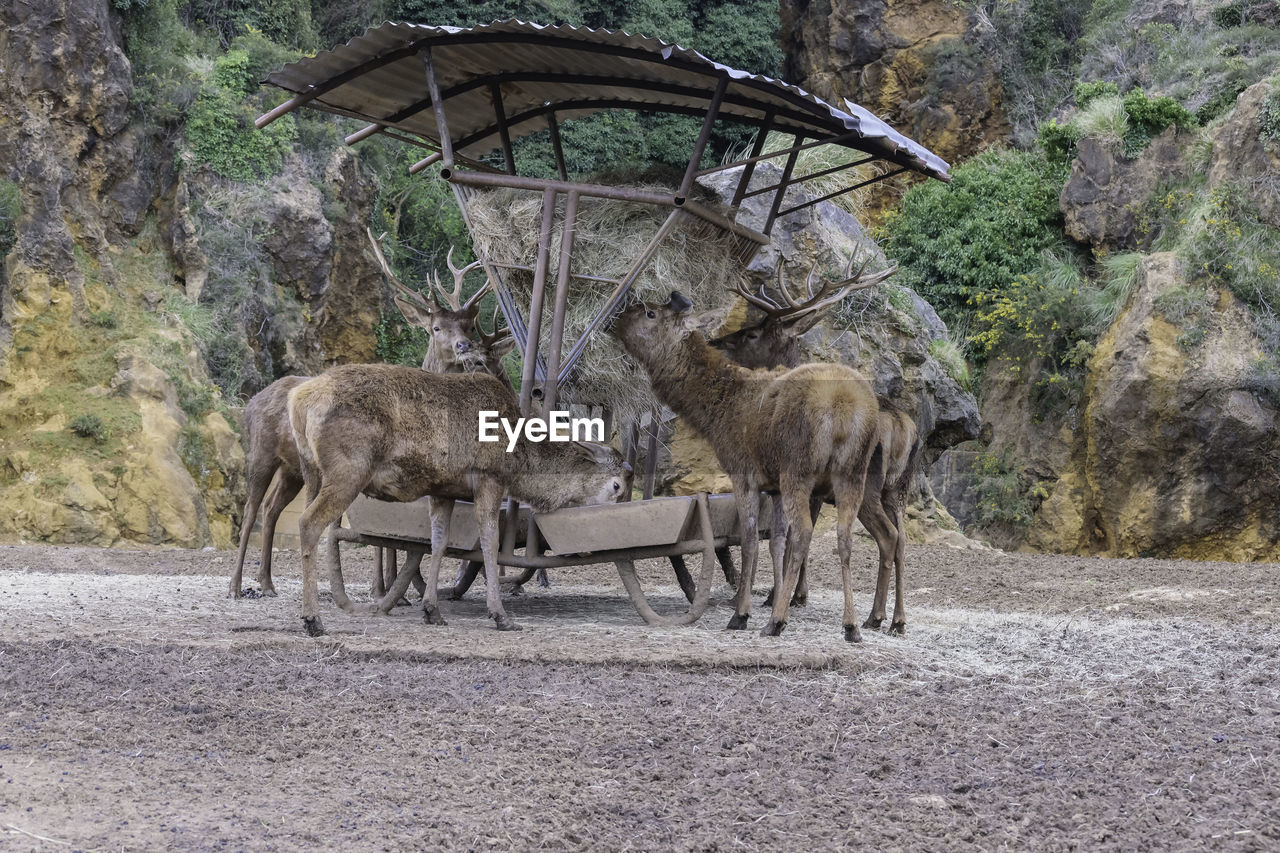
(697, 382)
(542, 473)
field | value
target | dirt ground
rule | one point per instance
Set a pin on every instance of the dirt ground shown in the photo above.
(1036, 702)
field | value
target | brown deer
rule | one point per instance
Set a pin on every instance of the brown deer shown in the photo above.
(804, 432)
(271, 447)
(397, 433)
(774, 342)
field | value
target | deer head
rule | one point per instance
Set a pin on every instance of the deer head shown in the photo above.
(774, 341)
(450, 323)
(649, 332)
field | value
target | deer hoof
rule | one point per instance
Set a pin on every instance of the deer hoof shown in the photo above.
(268, 591)
(852, 634)
(313, 626)
(431, 616)
(768, 600)
(772, 629)
(738, 622)
(456, 594)
(800, 599)
(516, 590)
(873, 623)
(506, 623)
(899, 628)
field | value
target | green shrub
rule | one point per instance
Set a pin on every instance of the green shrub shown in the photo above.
(1220, 103)
(951, 358)
(1058, 141)
(974, 236)
(1270, 118)
(1225, 241)
(1006, 500)
(10, 209)
(220, 130)
(1148, 117)
(90, 426)
(1230, 14)
(1085, 92)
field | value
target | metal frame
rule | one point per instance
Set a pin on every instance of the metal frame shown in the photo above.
(778, 108)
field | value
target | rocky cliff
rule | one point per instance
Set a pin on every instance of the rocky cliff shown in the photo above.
(1175, 448)
(112, 429)
(914, 63)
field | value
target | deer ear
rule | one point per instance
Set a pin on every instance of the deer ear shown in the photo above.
(601, 454)
(416, 314)
(502, 347)
(679, 303)
(707, 321)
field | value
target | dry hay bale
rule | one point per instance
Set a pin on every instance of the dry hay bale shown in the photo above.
(696, 258)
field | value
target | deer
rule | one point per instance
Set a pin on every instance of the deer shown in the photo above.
(398, 433)
(774, 343)
(804, 432)
(450, 323)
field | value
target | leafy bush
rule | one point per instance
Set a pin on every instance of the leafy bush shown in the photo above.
(220, 130)
(1219, 103)
(1006, 501)
(977, 234)
(1226, 242)
(1270, 118)
(1058, 141)
(1087, 91)
(1230, 14)
(1148, 117)
(10, 209)
(90, 426)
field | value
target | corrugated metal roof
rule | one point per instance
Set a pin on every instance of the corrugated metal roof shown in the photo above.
(573, 71)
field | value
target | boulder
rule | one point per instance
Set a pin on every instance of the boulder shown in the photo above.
(1104, 199)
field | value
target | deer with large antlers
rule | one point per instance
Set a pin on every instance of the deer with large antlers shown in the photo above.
(804, 432)
(271, 448)
(774, 343)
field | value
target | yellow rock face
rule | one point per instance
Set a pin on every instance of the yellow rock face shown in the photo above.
(1171, 457)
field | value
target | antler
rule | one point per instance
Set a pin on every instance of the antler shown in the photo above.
(793, 306)
(499, 335)
(454, 298)
(407, 292)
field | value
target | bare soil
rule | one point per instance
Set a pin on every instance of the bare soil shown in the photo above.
(1036, 702)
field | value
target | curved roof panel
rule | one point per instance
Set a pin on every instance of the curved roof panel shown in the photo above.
(533, 70)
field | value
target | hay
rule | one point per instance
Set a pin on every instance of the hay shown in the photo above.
(696, 258)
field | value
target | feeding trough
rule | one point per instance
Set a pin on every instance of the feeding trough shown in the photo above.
(564, 254)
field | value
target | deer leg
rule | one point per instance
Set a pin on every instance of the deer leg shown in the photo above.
(846, 511)
(413, 566)
(777, 547)
(467, 571)
(389, 573)
(882, 530)
(795, 503)
(683, 577)
(257, 488)
(725, 558)
(748, 500)
(282, 494)
(544, 579)
(801, 596)
(324, 510)
(899, 623)
(488, 497)
(378, 589)
(441, 515)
